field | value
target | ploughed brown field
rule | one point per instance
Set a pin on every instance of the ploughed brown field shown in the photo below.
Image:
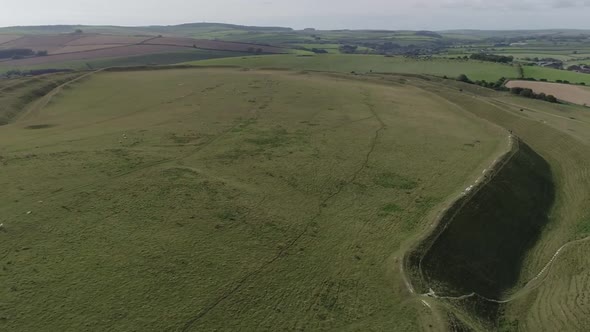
(108, 40)
(71, 47)
(213, 44)
(571, 93)
(119, 51)
(7, 38)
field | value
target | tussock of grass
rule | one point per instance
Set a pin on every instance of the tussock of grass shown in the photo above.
(390, 209)
(394, 181)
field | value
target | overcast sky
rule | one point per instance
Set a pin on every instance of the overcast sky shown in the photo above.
(322, 14)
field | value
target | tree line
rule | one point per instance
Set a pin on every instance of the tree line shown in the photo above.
(492, 57)
(529, 93)
(19, 53)
(500, 85)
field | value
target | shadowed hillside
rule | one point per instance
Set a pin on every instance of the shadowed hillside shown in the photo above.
(482, 248)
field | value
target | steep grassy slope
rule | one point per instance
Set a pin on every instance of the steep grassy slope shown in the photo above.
(552, 280)
(474, 255)
(16, 94)
(482, 249)
(223, 199)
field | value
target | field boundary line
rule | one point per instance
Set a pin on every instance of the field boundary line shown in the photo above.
(10, 41)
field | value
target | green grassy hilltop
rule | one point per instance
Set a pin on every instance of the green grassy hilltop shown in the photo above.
(198, 193)
(301, 191)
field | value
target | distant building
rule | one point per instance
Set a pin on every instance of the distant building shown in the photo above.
(585, 69)
(555, 65)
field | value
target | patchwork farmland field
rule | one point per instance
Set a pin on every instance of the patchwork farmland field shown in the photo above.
(73, 47)
(215, 45)
(120, 51)
(83, 48)
(178, 56)
(108, 40)
(37, 43)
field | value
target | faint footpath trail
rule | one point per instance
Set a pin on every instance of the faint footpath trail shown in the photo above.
(190, 323)
(38, 105)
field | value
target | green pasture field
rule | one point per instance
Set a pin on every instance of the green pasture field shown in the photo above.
(553, 75)
(475, 70)
(225, 199)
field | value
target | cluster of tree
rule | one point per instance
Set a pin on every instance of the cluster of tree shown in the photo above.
(390, 48)
(34, 72)
(492, 57)
(582, 68)
(556, 81)
(498, 85)
(428, 34)
(348, 49)
(459, 58)
(254, 50)
(550, 37)
(537, 59)
(387, 47)
(319, 50)
(528, 93)
(16, 53)
(19, 53)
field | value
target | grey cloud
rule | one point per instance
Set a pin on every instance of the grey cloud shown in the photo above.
(511, 5)
(324, 14)
(564, 4)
